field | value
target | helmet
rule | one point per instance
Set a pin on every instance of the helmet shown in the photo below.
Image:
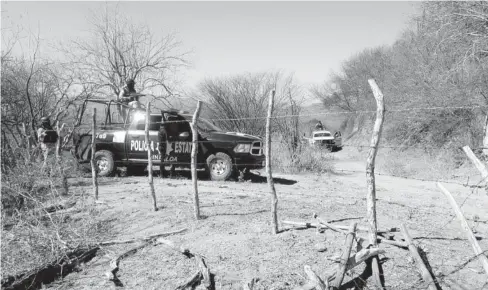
(45, 120)
(130, 82)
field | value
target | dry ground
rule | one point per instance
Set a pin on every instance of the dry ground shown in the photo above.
(235, 236)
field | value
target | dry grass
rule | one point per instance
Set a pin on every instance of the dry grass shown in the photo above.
(34, 234)
(306, 159)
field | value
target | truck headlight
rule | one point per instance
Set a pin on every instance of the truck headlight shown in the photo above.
(242, 148)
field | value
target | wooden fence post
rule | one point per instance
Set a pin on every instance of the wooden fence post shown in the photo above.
(370, 178)
(274, 197)
(418, 259)
(466, 228)
(28, 145)
(64, 179)
(149, 155)
(485, 137)
(479, 165)
(194, 152)
(94, 166)
(58, 142)
(341, 271)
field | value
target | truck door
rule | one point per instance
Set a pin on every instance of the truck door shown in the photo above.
(179, 140)
(136, 147)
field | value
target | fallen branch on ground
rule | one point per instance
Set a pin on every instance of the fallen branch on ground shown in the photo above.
(49, 272)
(114, 264)
(202, 277)
(315, 281)
(337, 228)
(59, 206)
(145, 239)
(344, 261)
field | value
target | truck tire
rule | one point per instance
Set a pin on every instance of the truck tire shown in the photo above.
(105, 162)
(219, 166)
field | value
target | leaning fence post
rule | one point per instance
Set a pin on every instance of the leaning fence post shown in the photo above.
(370, 179)
(466, 228)
(342, 269)
(194, 152)
(418, 259)
(149, 155)
(93, 148)
(274, 197)
(477, 163)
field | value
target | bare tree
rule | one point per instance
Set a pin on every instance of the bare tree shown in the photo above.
(119, 49)
(239, 102)
(32, 87)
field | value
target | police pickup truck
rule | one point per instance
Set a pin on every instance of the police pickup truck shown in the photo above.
(120, 142)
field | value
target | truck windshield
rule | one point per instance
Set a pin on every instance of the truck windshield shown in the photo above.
(204, 125)
(322, 134)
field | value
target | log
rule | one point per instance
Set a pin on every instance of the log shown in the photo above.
(467, 230)
(149, 156)
(302, 224)
(315, 279)
(326, 224)
(93, 150)
(356, 260)
(337, 228)
(476, 162)
(341, 271)
(145, 239)
(50, 272)
(194, 153)
(426, 276)
(370, 179)
(274, 197)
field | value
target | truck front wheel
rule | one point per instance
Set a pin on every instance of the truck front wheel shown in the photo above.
(105, 162)
(219, 166)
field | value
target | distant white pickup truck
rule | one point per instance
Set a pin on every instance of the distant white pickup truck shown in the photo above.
(326, 139)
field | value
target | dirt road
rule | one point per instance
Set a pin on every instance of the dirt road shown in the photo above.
(235, 236)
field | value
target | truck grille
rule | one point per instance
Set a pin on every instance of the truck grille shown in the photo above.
(257, 148)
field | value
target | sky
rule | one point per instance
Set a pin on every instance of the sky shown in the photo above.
(309, 39)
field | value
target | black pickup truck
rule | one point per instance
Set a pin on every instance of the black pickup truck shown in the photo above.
(120, 142)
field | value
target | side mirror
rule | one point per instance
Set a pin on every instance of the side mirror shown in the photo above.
(184, 135)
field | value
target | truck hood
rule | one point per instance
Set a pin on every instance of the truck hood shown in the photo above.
(230, 136)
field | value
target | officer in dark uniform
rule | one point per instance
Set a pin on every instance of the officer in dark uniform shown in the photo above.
(167, 132)
(127, 96)
(163, 137)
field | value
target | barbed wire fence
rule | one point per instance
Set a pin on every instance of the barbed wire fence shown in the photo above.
(475, 186)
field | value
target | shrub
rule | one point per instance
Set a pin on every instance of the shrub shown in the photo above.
(33, 232)
(306, 159)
